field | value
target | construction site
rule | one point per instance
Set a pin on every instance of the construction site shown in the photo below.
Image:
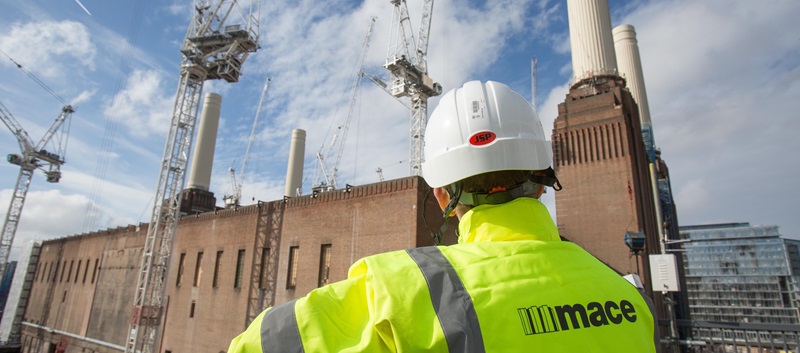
(199, 272)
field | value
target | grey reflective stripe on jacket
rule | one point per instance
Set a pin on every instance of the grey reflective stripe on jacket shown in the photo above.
(279, 332)
(451, 302)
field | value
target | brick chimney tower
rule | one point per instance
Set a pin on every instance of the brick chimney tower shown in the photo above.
(599, 153)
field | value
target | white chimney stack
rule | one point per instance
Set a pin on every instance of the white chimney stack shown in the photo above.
(203, 155)
(630, 68)
(590, 39)
(294, 170)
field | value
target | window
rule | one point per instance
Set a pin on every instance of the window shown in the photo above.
(291, 278)
(63, 267)
(237, 282)
(216, 269)
(262, 279)
(191, 309)
(43, 275)
(324, 264)
(86, 270)
(96, 264)
(77, 271)
(180, 270)
(198, 269)
(55, 273)
(69, 274)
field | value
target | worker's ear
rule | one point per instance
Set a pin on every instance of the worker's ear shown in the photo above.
(540, 190)
(442, 197)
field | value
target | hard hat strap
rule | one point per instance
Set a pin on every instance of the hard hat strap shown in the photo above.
(549, 179)
(474, 199)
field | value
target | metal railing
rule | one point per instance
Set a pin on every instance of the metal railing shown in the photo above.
(710, 336)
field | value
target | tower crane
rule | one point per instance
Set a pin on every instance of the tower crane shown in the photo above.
(337, 146)
(220, 37)
(32, 156)
(407, 62)
(233, 199)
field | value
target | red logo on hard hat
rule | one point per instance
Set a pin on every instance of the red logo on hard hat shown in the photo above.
(482, 138)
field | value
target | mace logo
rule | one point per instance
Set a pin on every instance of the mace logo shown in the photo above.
(546, 319)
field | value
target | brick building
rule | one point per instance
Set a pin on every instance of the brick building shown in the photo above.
(226, 266)
(601, 161)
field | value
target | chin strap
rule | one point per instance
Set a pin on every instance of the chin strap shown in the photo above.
(548, 179)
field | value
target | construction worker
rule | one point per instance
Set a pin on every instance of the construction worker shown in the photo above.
(509, 285)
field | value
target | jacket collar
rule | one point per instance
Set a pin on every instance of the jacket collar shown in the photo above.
(522, 219)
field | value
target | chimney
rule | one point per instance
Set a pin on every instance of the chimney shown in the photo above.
(630, 68)
(590, 40)
(294, 169)
(196, 197)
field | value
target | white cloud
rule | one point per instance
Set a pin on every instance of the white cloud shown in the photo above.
(310, 50)
(693, 196)
(49, 47)
(722, 80)
(144, 105)
(49, 214)
(82, 97)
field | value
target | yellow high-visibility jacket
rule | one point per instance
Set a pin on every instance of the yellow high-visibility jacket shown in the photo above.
(510, 285)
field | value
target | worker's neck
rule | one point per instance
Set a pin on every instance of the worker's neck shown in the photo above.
(521, 219)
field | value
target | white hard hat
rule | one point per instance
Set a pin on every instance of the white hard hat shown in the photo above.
(479, 128)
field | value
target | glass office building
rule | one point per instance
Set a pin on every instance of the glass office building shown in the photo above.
(740, 273)
(736, 272)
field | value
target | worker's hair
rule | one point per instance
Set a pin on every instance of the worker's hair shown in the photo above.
(484, 183)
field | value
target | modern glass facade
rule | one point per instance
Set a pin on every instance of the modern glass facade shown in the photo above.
(740, 273)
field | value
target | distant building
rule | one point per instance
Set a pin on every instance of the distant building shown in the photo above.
(5, 283)
(740, 273)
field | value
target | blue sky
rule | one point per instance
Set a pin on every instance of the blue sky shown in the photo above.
(722, 79)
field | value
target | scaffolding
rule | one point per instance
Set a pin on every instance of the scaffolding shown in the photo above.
(264, 271)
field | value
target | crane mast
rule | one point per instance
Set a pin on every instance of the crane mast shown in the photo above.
(337, 146)
(32, 156)
(407, 63)
(215, 47)
(233, 199)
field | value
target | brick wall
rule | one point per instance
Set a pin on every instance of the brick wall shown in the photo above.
(365, 220)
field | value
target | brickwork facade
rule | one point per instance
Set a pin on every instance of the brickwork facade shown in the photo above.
(208, 295)
(83, 287)
(601, 161)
